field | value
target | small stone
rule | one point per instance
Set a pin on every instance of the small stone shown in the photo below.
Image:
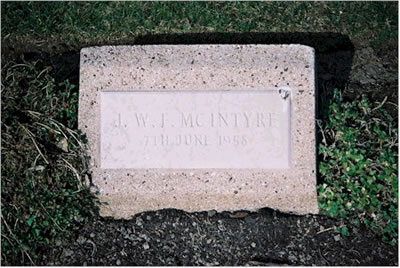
(63, 145)
(139, 221)
(94, 190)
(336, 237)
(118, 262)
(143, 236)
(253, 245)
(87, 180)
(39, 168)
(211, 213)
(68, 252)
(79, 218)
(81, 240)
(92, 235)
(146, 246)
(366, 80)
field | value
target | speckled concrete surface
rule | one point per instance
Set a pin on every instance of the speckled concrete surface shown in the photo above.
(203, 67)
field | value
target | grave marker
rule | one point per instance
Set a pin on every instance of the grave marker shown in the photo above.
(200, 127)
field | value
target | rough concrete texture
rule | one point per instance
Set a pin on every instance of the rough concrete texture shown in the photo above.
(160, 68)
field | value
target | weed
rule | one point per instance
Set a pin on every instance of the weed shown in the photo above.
(359, 166)
(42, 195)
(69, 113)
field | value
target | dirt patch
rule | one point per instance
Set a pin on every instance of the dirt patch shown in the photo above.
(172, 237)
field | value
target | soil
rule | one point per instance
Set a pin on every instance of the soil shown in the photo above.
(173, 237)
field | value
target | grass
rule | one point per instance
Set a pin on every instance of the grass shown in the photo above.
(78, 24)
(43, 163)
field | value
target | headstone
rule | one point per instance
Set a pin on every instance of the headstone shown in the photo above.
(200, 127)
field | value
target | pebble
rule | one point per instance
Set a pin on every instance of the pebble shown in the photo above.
(81, 240)
(63, 145)
(253, 245)
(118, 262)
(68, 252)
(211, 213)
(336, 237)
(79, 219)
(146, 246)
(87, 180)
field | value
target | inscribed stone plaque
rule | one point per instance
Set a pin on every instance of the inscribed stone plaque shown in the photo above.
(200, 127)
(203, 129)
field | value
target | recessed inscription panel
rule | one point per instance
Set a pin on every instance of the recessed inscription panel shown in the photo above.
(208, 129)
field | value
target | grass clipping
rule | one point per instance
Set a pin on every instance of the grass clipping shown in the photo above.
(43, 163)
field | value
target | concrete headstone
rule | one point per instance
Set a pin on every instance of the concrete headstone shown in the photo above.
(200, 127)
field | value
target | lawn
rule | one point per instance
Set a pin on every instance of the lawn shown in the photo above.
(77, 24)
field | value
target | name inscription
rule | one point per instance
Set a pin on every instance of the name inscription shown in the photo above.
(187, 129)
